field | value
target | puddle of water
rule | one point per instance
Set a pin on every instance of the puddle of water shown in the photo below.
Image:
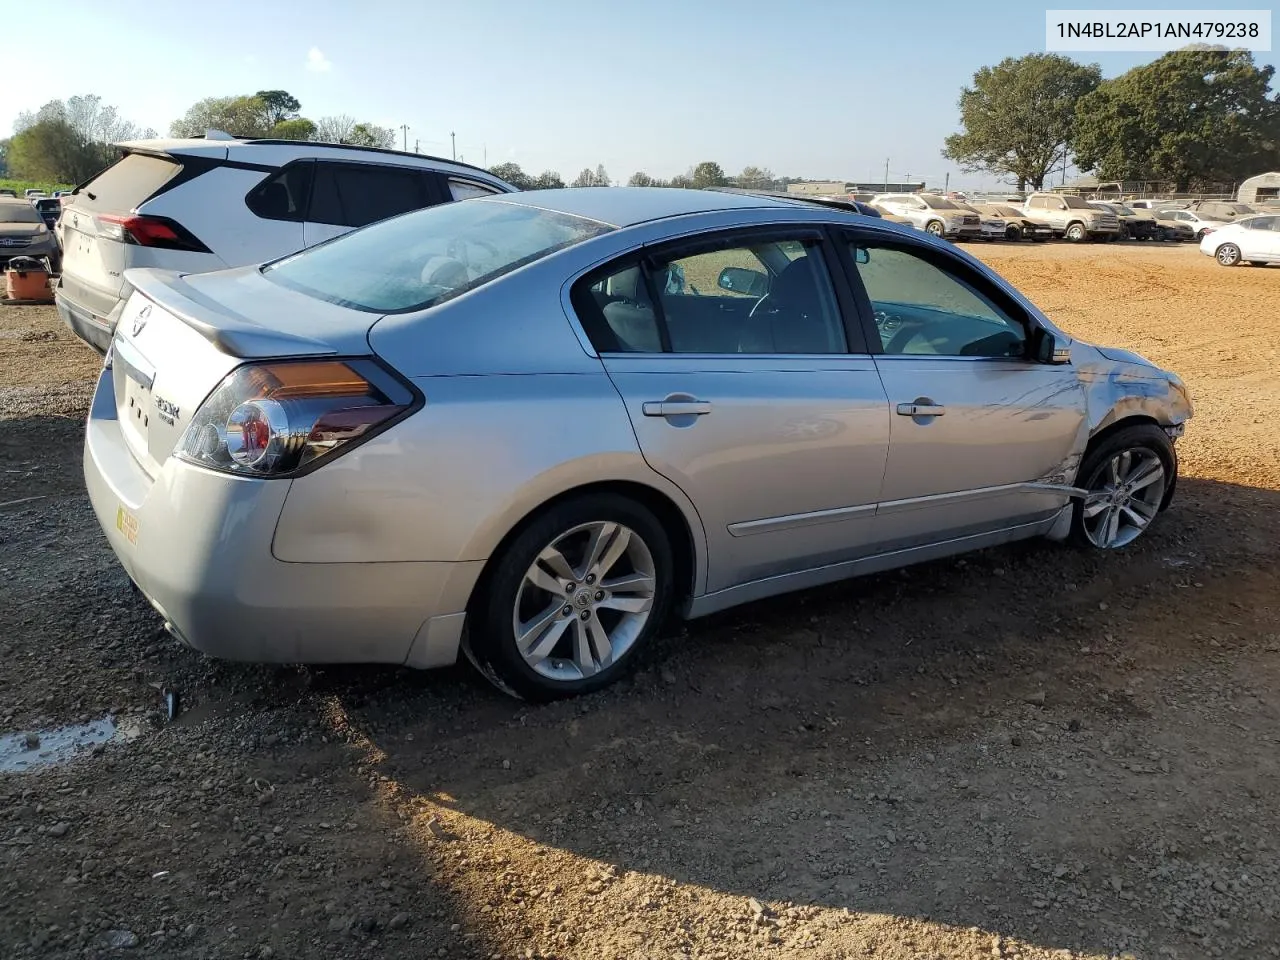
(20, 752)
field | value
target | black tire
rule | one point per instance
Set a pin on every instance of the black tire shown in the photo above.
(1145, 436)
(1228, 255)
(490, 641)
(1013, 233)
(934, 228)
(1075, 233)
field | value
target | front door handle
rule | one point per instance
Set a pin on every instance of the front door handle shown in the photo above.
(922, 407)
(675, 408)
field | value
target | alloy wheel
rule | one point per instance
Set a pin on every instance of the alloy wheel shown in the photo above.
(1124, 497)
(1228, 255)
(584, 600)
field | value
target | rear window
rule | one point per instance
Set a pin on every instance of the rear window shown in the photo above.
(127, 182)
(19, 213)
(429, 256)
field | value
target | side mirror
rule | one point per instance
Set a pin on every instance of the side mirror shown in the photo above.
(1047, 349)
(752, 283)
(861, 255)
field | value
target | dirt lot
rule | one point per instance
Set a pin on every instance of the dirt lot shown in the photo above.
(1031, 753)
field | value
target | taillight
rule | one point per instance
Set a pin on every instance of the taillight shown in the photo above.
(276, 419)
(142, 231)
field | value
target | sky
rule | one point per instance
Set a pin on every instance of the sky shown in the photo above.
(819, 89)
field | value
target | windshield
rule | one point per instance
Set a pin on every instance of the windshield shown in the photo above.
(937, 203)
(1075, 203)
(423, 258)
(1000, 210)
(19, 213)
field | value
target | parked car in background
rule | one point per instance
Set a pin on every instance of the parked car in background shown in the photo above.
(936, 216)
(1254, 240)
(889, 215)
(1072, 218)
(1134, 224)
(209, 203)
(50, 209)
(1221, 210)
(993, 227)
(1017, 225)
(1173, 227)
(6, 192)
(34, 194)
(529, 426)
(1199, 224)
(23, 233)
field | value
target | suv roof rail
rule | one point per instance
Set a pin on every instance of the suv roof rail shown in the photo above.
(383, 150)
(850, 205)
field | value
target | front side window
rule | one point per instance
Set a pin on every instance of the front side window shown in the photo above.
(429, 256)
(357, 195)
(923, 309)
(737, 297)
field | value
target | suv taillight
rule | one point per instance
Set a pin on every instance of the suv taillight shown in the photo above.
(159, 232)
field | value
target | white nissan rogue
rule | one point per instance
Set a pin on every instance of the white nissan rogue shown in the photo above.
(202, 204)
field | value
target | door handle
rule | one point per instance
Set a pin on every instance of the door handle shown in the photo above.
(921, 408)
(675, 408)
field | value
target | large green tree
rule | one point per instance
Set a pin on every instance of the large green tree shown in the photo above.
(299, 128)
(1019, 116)
(371, 135)
(755, 178)
(238, 116)
(1194, 117)
(280, 105)
(512, 174)
(547, 180)
(52, 150)
(709, 174)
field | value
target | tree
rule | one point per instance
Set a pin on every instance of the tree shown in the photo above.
(682, 180)
(299, 128)
(708, 174)
(547, 180)
(755, 178)
(512, 173)
(335, 129)
(640, 179)
(52, 150)
(602, 178)
(239, 116)
(589, 178)
(1194, 117)
(4, 157)
(371, 135)
(1019, 115)
(280, 106)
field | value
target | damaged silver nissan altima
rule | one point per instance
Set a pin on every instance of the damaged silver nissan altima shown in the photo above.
(528, 427)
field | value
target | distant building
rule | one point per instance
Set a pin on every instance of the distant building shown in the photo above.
(839, 188)
(1265, 186)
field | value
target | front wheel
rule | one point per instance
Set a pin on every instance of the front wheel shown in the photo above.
(1228, 255)
(1128, 477)
(934, 228)
(1013, 233)
(572, 599)
(1075, 233)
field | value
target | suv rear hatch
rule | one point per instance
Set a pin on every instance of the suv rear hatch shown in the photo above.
(179, 336)
(101, 222)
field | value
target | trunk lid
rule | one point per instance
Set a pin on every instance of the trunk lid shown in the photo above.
(179, 336)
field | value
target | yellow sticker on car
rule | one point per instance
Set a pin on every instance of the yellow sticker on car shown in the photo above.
(127, 524)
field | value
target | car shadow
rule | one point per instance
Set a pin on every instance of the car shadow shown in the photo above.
(941, 744)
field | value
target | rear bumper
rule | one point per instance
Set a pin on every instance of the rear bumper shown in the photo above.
(198, 545)
(93, 328)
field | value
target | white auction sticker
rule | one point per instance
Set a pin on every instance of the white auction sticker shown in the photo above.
(1155, 31)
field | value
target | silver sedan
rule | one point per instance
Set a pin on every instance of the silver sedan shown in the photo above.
(530, 427)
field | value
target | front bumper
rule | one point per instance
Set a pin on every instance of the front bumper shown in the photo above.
(198, 545)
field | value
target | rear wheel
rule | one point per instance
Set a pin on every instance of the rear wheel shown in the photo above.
(1128, 477)
(572, 600)
(1228, 255)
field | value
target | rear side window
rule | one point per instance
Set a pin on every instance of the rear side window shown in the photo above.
(354, 196)
(465, 189)
(283, 195)
(127, 183)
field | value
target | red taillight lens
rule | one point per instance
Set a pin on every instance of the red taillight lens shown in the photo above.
(274, 419)
(149, 232)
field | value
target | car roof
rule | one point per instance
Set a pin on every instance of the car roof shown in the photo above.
(628, 206)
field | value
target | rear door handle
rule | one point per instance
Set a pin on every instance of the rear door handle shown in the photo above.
(675, 408)
(919, 409)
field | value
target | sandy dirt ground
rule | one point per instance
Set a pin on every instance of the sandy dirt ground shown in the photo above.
(1032, 752)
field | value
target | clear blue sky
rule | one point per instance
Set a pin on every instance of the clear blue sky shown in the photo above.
(809, 88)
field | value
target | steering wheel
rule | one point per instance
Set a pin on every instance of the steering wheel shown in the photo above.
(760, 306)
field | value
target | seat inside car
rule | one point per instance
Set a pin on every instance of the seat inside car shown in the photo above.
(798, 322)
(629, 313)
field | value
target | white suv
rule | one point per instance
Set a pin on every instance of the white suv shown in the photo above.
(208, 203)
(935, 215)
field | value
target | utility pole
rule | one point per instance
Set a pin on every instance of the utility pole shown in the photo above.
(886, 174)
(946, 184)
(416, 145)
(453, 144)
(404, 128)
(486, 156)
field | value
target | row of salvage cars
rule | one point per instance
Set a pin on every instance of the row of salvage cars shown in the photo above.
(527, 428)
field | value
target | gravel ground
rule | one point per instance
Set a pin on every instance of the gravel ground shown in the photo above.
(1031, 752)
